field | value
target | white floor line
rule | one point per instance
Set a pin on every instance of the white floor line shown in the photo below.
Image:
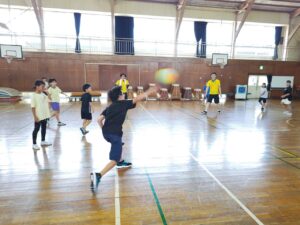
(117, 200)
(228, 191)
(214, 178)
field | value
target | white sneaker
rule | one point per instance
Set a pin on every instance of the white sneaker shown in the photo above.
(289, 114)
(35, 147)
(45, 143)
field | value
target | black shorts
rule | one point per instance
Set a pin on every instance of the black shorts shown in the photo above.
(264, 100)
(86, 115)
(115, 153)
(213, 97)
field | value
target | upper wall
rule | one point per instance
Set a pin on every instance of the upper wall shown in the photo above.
(158, 9)
(73, 70)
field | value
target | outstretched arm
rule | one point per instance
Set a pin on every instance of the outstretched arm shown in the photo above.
(144, 95)
(101, 121)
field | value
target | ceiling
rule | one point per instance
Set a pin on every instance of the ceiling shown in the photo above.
(286, 6)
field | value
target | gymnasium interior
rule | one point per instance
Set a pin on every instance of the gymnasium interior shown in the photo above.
(239, 166)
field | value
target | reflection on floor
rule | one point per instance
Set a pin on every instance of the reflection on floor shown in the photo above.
(240, 167)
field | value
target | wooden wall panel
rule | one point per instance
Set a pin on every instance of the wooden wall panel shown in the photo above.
(69, 70)
(109, 74)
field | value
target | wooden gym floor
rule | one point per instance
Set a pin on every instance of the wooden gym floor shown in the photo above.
(238, 168)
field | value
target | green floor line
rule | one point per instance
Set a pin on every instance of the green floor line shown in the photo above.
(161, 213)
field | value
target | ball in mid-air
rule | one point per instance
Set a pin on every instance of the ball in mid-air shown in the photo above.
(166, 76)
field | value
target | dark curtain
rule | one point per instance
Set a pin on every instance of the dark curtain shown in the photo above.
(269, 77)
(278, 31)
(200, 34)
(77, 17)
(124, 39)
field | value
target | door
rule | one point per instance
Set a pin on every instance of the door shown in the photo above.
(109, 74)
(254, 84)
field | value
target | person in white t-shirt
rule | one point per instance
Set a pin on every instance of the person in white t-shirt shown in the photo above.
(54, 93)
(41, 112)
(263, 96)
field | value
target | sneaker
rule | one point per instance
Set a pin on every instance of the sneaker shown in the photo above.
(95, 181)
(219, 111)
(123, 164)
(35, 147)
(61, 124)
(204, 113)
(45, 143)
(289, 114)
(82, 130)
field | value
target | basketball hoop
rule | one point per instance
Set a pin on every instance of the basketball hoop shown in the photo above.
(8, 58)
(222, 65)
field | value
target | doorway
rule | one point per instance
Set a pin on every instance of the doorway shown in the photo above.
(254, 84)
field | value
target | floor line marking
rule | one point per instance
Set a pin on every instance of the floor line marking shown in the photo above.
(215, 179)
(271, 146)
(161, 213)
(117, 200)
(248, 211)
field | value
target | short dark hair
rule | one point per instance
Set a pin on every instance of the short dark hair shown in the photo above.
(86, 86)
(289, 82)
(123, 74)
(52, 80)
(44, 78)
(213, 73)
(38, 83)
(114, 93)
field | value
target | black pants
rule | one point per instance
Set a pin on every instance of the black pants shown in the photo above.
(37, 125)
(126, 95)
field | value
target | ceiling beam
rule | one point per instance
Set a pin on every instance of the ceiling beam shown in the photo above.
(245, 9)
(249, 4)
(179, 16)
(293, 32)
(295, 13)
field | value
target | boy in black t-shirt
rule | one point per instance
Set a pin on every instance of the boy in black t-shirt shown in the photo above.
(86, 108)
(111, 121)
(287, 98)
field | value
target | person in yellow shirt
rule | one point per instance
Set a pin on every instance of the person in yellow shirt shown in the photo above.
(213, 91)
(123, 83)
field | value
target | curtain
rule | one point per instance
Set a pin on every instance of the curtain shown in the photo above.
(200, 34)
(278, 31)
(77, 17)
(124, 39)
(269, 77)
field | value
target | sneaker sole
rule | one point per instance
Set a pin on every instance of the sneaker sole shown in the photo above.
(46, 145)
(120, 167)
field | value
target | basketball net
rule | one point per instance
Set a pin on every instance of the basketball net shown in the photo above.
(222, 65)
(8, 58)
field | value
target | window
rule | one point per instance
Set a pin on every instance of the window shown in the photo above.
(255, 41)
(218, 37)
(19, 32)
(59, 31)
(96, 33)
(186, 39)
(215, 44)
(154, 36)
